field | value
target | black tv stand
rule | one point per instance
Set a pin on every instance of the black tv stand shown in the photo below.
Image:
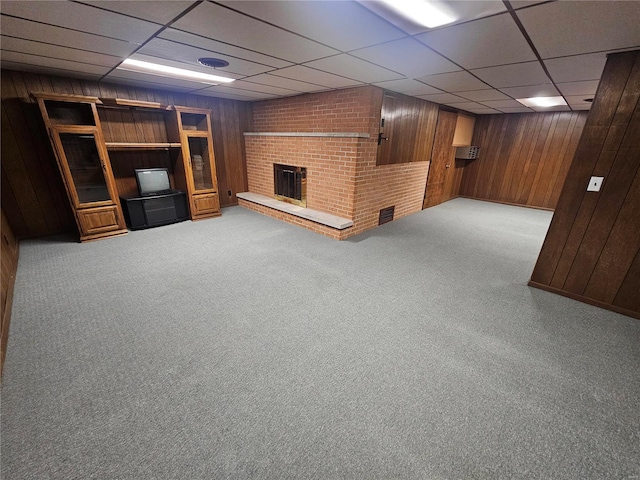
(154, 210)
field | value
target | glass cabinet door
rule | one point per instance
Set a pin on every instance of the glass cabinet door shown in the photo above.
(85, 167)
(200, 163)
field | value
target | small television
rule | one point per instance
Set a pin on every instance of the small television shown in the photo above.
(153, 181)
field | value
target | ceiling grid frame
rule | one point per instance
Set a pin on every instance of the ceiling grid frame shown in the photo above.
(383, 61)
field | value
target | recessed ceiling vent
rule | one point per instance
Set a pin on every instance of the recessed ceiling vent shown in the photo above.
(386, 215)
(588, 100)
(213, 62)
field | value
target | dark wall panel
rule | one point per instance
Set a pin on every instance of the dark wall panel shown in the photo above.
(443, 174)
(592, 249)
(409, 127)
(33, 195)
(9, 248)
(524, 158)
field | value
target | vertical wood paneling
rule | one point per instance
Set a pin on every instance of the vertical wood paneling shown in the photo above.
(591, 250)
(9, 257)
(439, 186)
(33, 195)
(409, 125)
(524, 158)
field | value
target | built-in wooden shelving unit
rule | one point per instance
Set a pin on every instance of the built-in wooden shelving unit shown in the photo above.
(100, 142)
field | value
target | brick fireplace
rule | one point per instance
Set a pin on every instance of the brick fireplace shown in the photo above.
(333, 135)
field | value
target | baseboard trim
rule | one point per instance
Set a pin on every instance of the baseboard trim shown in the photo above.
(590, 301)
(508, 203)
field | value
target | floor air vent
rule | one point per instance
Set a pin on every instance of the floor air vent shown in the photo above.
(386, 215)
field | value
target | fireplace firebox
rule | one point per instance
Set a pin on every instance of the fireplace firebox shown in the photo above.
(290, 184)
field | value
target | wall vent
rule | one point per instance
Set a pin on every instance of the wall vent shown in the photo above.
(386, 215)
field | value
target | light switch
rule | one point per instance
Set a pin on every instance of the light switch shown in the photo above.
(594, 184)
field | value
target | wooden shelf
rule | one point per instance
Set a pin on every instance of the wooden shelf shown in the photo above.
(140, 146)
(121, 102)
(64, 97)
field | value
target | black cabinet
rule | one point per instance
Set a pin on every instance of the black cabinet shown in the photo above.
(152, 211)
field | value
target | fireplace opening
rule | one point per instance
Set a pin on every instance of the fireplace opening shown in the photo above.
(290, 184)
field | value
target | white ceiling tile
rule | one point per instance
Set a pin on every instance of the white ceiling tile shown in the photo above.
(586, 106)
(514, 75)
(482, 43)
(225, 95)
(579, 101)
(408, 57)
(55, 51)
(173, 63)
(571, 28)
(480, 111)
(557, 108)
(578, 88)
(338, 24)
(220, 23)
(190, 84)
(289, 83)
(311, 75)
(482, 95)
(165, 49)
(444, 98)
(260, 88)
(219, 89)
(500, 104)
(156, 79)
(222, 48)
(461, 10)
(544, 90)
(59, 64)
(576, 100)
(520, 109)
(121, 78)
(454, 82)
(23, 67)
(516, 4)
(408, 87)
(161, 12)
(577, 68)
(465, 105)
(351, 67)
(270, 39)
(26, 29)
(83, 18)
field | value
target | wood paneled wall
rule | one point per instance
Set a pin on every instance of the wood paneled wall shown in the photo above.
(33, 195)
(592, 248)
(9, 258)
(524, 158)
(445, 173)
(408, 130)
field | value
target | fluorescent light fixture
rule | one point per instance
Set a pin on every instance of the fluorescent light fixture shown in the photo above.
(421, 11)
(542, 101)
(165, 71)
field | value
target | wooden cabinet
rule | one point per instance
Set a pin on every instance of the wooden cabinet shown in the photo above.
(464, 130)
(99, 143)
(199, 174)
(206, 205)
(74, 129)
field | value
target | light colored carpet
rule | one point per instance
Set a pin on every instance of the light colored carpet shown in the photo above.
(247, 348)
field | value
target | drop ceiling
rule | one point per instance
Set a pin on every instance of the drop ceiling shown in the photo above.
(494, 53)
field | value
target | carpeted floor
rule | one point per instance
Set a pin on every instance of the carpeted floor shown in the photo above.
(247, 348)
